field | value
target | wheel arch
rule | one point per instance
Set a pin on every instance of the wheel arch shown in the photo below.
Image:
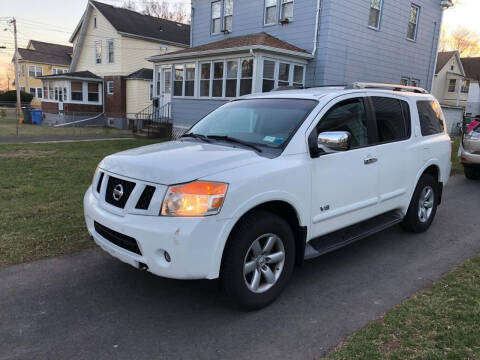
(289, 213)
(432, 168)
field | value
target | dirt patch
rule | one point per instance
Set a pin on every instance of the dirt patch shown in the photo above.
(27, 154)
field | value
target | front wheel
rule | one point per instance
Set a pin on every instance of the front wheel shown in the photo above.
(423, 205)
(259, 259)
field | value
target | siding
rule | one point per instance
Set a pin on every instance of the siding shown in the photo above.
(347, 49)
(103, 32)
(186, 112)
(137, 96)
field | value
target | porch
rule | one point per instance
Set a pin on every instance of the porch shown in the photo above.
(197, 80)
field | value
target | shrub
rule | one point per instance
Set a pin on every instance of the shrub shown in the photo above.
(12, 96)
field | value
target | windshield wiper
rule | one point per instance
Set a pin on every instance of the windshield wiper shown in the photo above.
(196, 136)
(234, 140)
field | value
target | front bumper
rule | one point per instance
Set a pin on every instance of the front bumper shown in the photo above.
(194, 244)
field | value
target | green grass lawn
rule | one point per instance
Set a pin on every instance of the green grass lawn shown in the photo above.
(441, 322)
(41, 192)
(457, 167)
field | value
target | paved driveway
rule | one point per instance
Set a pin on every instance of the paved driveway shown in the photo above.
(90, 306)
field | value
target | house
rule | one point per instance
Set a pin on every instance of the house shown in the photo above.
(451, 84)
(109, 72)
(472, 72)
(248, 46)
(38, 59)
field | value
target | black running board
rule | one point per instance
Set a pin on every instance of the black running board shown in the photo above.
(350, 234)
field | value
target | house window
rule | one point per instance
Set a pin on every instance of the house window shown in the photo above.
(413, 22)
(465, 86)
(298, 75)
(163, 49)
(39, 93)
(110, 50)
(65, 94)
(77, 91)
(190, 80)
(205, 79)
(92, 92)
(216, 19)
(231, 82)
(35, 71)
(287, 10)
(178, 81)
(94, 22)
(22, 88)
(33, 91)
(228, 15)
(415, 82)
(110, 87)
(270, 12)
(404, 81)
(246, 79)
(283, 74)
(22, 70)
(56, 93)
(98, 52)
(375, 13)
(45, 89)
(150, 92)
(268, 75)
(217, 87)
(50, 91)
(452, 85)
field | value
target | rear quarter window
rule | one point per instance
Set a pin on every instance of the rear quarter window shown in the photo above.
(431, 117)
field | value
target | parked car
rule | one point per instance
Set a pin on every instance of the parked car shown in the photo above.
(469, 152)
(268, 180)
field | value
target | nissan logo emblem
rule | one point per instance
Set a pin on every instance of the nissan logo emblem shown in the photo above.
(118, 192)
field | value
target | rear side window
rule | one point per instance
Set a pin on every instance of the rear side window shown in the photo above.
(392, 119)
(431, 117)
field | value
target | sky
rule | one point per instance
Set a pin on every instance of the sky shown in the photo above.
(55, 20)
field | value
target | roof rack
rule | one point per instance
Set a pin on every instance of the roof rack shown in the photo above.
(393, 87)
(288, 87)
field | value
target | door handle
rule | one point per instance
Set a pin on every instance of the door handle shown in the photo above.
(370, 160)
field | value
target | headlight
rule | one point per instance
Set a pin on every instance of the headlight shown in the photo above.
(198, 198)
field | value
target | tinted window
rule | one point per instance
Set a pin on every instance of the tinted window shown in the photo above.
(348, 116)
(269, 122)
(389, 114)
(431, 117)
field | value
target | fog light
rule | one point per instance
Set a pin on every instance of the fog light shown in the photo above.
(167, 256)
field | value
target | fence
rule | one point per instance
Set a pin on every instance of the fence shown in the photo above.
(34, 123)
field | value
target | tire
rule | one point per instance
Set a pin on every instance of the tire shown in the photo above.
(471, 173)
(243, 254)
(417, 221)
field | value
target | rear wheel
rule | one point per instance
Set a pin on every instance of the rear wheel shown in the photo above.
(258, 260)
(472, 173)
(423, 205)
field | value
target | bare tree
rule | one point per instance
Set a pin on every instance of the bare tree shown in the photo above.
(166, 10)
(466, 41)
(129, 4)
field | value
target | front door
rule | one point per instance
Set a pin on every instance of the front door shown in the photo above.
(344, 184)
(166, 86)
(59, 97)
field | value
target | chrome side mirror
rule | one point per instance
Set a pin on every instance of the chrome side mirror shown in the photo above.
(333, 141)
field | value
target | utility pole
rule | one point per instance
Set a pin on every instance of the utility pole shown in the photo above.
(17, 84)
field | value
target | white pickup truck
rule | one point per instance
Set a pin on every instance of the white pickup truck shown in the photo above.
(268, 180)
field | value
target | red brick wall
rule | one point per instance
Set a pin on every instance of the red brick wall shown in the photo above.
(50, 107)
(116, 104)
(87, 108)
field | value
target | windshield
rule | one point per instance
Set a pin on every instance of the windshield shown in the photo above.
(261, 122)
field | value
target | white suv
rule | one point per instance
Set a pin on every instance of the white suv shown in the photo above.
(268, 180)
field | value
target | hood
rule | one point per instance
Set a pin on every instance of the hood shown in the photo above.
(177, 162)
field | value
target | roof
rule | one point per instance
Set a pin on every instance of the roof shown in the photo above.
(128, 22)
(442, 59)
(47, 53)
(253, 40)
(84, 75)
(472, 67)
(143, 74)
